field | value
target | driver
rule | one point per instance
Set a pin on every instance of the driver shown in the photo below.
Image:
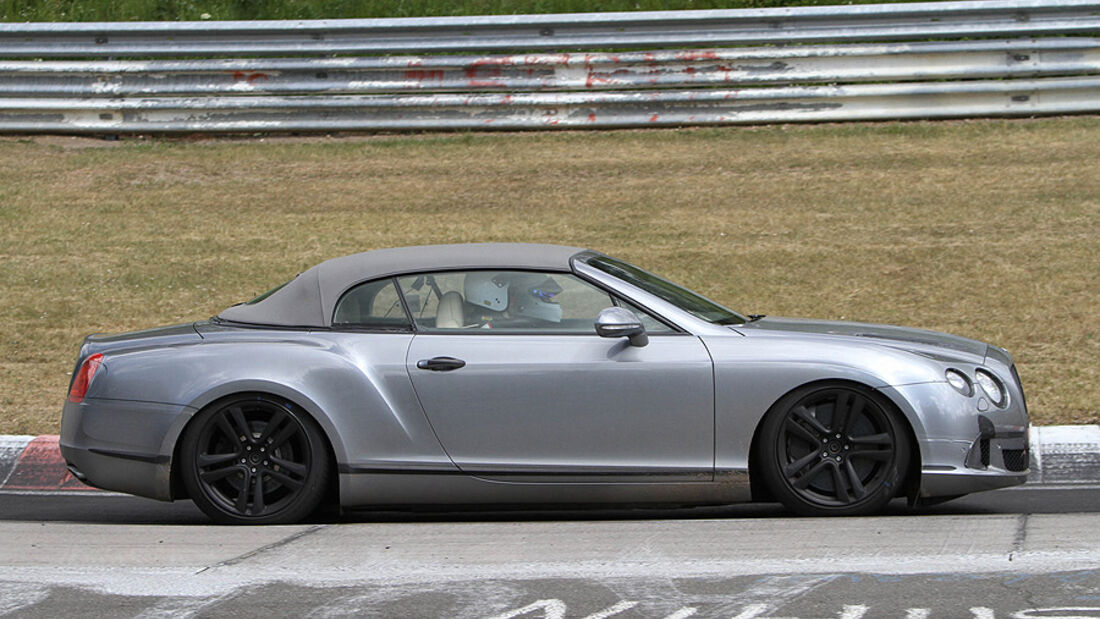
(520, 299)
(531, 295)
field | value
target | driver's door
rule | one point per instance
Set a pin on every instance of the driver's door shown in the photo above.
(546, 400)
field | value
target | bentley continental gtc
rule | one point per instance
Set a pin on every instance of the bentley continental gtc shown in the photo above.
(507, 374)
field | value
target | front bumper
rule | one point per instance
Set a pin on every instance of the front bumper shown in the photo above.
(122, 445)
(964, 448)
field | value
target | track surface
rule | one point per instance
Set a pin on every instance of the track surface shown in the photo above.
(1027, 553)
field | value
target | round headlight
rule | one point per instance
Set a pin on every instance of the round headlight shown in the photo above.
(960, 382)
(991, 386)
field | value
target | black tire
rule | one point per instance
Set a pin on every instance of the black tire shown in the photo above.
(254, 459)
(833, 449)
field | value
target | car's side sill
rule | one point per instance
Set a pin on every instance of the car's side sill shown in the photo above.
(365, 486)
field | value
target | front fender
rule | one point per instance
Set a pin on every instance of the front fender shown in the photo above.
(752, 374)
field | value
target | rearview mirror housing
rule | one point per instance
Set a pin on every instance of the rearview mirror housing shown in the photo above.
(621, 322)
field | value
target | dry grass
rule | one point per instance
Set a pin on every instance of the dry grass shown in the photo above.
(989, 229)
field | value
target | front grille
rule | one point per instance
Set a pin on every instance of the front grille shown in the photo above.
(984, 446)
(1015, 459)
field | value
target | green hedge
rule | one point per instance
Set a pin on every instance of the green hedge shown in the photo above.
(171, 10)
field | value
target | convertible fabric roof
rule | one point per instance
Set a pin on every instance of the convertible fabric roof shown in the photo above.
(309, 299)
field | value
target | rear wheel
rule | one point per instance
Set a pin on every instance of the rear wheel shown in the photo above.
(254, 460)
(833, 450)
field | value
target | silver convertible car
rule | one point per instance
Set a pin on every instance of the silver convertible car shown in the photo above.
(511, 374)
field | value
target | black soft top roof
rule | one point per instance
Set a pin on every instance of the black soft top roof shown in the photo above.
(309, 299)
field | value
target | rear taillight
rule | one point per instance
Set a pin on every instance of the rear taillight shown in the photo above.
(84, 377)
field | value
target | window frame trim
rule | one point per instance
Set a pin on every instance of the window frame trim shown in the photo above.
(366, 328)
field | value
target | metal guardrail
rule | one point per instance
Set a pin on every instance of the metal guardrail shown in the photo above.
(567, 71)
(789, 82)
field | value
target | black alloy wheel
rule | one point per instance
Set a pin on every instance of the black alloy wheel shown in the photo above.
(834, 450)
(254, 460)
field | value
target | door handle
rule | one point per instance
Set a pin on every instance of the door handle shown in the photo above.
(440, 364)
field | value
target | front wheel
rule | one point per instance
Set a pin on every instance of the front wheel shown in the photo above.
(836, 450)
(254, 459)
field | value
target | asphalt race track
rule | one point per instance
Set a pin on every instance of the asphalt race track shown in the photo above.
(1025, 553)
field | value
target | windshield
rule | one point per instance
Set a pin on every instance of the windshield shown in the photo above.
(698, 306)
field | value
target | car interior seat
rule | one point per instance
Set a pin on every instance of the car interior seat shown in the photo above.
(449, 315)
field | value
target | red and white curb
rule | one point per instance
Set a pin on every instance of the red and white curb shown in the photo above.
(1060, 455)
(34, 464)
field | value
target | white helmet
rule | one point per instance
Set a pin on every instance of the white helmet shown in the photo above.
(533, 295)
(487, 289)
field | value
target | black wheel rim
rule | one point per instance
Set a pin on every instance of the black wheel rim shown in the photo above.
(836, 448)
(253, 458)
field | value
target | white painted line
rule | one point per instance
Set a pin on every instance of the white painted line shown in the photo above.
(611, 611)
(752, 611)
(552, 609)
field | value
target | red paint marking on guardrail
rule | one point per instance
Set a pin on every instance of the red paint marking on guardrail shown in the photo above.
(41, 467)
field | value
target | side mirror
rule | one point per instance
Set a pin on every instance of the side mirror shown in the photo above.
(621, 322)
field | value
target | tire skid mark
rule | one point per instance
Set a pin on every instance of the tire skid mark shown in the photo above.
(262, 549)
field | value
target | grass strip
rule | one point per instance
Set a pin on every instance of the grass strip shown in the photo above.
(988, 229)
(189, 10)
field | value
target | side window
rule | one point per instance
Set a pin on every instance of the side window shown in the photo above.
(506, 301)
(371, 305)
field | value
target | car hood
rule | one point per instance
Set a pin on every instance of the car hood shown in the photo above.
(933, 344)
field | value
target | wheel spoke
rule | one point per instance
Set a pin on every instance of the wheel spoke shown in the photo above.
(283, 436)
(792, 469)
(227, 429)
(258, 495)
(213, 476)
(840, 485)
(841, 409)
(242, 426)
(805, 415)
(274, 424)
(802, 482)
(853, 414)
(882, 455)
(857, 485)
(873, 439)
(285, 480)
(293, 467)
(242, 496)
(804, 432)
(208, 460)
